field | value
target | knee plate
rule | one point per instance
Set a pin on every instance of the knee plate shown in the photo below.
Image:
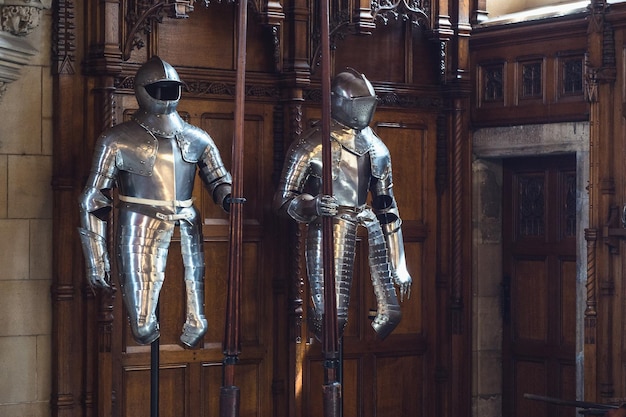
(141, 300)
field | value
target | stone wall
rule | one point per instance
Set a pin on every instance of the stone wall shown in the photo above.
(26, 232)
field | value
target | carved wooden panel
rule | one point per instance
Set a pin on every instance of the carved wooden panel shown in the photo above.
(516, 82)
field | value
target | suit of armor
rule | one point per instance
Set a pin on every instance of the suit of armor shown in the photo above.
(153, 160)
(361, 165)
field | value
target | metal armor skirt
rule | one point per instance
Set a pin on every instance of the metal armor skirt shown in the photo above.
(345, 226)
(143, 245)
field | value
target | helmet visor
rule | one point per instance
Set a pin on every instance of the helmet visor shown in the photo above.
(164, 90)
(363, 110)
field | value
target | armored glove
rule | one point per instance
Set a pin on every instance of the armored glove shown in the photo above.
(305, 207)
(97, 257)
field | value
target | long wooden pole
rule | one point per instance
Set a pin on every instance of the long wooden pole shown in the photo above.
(154, 374)
(229, 393)
(332, 387)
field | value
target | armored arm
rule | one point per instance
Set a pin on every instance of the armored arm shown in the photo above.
(215, 176)
(298, 175)
(386, 210)
(94, 207)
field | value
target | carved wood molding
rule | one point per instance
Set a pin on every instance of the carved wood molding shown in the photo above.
(18, 18)
(142, 16)
(415, 11)
(63, 38)
(205, 88)
(402, 100)
(360, 16)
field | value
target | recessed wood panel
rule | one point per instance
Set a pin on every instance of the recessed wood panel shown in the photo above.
(252, 393)
(532, 380)
(411, 170)
(173, 391)
(399, 386)
(529, 291)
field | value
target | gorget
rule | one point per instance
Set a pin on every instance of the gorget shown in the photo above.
(359, 143)
(165, 125)
(350, 139)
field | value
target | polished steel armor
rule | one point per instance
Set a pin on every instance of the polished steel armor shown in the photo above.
(361, 165)
(152, 160)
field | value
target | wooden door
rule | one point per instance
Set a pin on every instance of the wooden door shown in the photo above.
(539, 284)
(391, 377)
(190, 379)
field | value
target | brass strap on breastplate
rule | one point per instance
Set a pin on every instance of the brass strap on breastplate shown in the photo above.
(157, 203)
(146, 203)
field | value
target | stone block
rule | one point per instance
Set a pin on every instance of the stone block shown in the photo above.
(41, 249)
(30, 191)
(28, 304)
(18, 367)
(4, 167)
(14, 251)
(20, 130)
(36, 409)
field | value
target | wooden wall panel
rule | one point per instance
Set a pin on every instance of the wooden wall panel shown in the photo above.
(405, 66)
(531, 285)
(525, 82)
(173, 395)
(397, 392)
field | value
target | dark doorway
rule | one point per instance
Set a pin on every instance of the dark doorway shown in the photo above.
(539, 284)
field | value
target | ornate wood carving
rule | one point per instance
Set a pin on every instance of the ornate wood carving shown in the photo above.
(415, 11)
(358, 17)
(142, 15)
(531, 206)
(456, 298)
(63, 38)
(392, 99)
(591, 236)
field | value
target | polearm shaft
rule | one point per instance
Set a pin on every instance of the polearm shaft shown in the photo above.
(332, 387)
(229, 393)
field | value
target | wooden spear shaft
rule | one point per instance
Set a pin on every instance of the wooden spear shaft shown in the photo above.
(332, 387)
(229, 393)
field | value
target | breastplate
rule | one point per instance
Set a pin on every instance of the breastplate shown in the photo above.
(351, 182)
(171, 177)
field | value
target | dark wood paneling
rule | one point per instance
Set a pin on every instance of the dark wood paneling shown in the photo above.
(539, 262)
(276, 367)
(550, 43)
